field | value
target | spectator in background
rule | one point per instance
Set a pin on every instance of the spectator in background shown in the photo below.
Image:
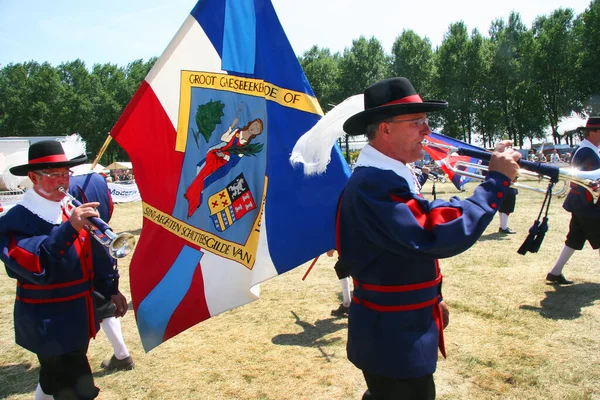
(542, 158)
(555, 157)
(344, 278)
(506, 208)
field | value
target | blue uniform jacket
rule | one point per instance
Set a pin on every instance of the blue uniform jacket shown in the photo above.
(388, 236)
(579, 201)
(54, 310)
(89, 188)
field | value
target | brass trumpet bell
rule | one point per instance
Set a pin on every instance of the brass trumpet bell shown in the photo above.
(589, 180)
(118, 245)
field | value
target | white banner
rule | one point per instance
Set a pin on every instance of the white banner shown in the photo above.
(124, 193)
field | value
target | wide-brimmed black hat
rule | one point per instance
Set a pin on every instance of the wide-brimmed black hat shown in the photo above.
(592, 124)
(387, 98)
(47, 154)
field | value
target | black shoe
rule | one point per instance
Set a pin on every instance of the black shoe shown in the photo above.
(560, 279)
(342, 311)
(116, 364)
(506, 231)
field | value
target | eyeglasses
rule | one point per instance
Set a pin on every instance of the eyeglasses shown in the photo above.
(55, 175)
(419, 122)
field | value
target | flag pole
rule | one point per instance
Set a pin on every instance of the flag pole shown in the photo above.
(101, 152)
(309, 268)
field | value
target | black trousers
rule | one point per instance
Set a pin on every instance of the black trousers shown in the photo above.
(68, 376)
(384, 388)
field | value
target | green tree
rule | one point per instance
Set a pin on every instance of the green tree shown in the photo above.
(554, 65)
(13, 93)
(510, 81)
(460, 74)
(412, 57)
(360, 66)
(321, 70)
(587, 38)
(80, 94)
(31, 96)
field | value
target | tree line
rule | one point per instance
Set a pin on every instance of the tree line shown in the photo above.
(42, 100)
(512, 84)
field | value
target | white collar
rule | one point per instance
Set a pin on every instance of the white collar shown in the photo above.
(589, 145)
(371, 157)
(48, 210)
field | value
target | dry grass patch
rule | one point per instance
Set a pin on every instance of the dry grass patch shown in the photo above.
(511, 336)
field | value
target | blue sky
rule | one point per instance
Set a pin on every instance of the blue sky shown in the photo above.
(126, 30)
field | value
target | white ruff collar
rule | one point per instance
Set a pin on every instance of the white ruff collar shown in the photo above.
(49, 211)
(589, 145)
(371, 157)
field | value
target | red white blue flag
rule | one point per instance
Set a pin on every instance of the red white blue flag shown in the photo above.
(209, 133)
(448, 163)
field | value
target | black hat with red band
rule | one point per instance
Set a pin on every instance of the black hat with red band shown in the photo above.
(47, 154)
(387, 98)
(592, 124)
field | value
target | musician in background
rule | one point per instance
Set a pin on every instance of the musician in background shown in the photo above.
(50, 256)
(507, 208)
(344, 279)
(585, 215)
(422, 178)
(93, 187)
(390, 239)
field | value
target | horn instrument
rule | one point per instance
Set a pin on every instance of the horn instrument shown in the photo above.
(589, 180)
(118, 245)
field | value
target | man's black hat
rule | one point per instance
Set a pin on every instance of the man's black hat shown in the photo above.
(46, 154)
(387, 98)
(592, 124)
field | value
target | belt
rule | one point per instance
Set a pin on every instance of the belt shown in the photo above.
(437, 311)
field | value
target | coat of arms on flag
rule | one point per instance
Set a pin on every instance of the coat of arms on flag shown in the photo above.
(230, 204)
(209, 133)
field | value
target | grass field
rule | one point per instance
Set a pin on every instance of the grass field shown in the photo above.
(511, 335)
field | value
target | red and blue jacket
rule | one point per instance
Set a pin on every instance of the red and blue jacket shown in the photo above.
(390, 240)
(579, 201)
(53, 264)
(89, 188)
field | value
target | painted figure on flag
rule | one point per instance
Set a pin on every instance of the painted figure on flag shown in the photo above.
(209, 133)
(221, 158)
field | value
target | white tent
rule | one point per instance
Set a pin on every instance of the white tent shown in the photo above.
(9, 181)
(119, 165)
(85, 168)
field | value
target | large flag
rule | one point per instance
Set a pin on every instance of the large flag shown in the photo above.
(209, 133)
(446, 163)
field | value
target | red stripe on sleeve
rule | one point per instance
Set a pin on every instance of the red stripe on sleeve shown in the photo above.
(24, 258)
(111, 205)
(436, 216)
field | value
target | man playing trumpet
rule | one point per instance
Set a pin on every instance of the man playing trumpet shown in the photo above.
(390, 239)
(50, 255)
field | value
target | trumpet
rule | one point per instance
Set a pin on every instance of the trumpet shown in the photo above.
(118, 245)
(589, 180)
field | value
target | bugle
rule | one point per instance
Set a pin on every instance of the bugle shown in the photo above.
(118, 245)
(589, 180)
